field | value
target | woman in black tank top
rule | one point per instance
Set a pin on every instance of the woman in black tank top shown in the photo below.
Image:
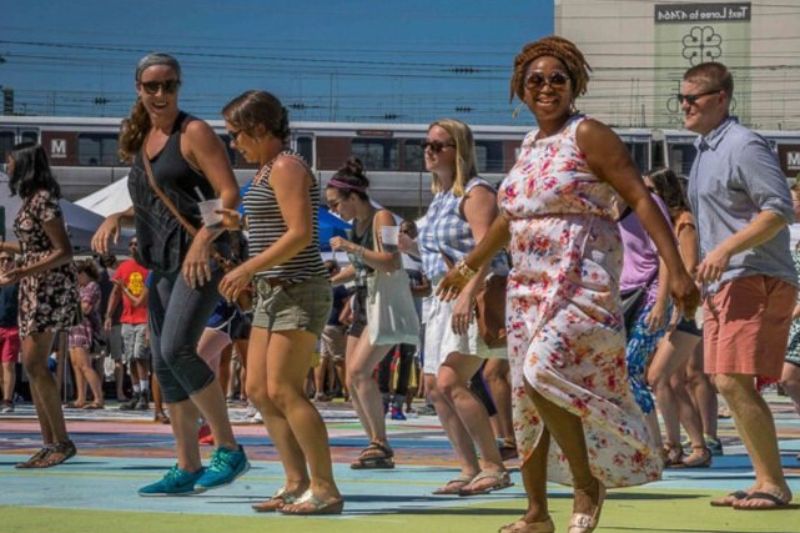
(188, 160)
(293, 304)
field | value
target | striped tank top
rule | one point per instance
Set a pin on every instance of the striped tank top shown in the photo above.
(266, 226)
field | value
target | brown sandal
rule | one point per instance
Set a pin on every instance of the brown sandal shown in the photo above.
(672, 454)
(35, 458)
(58, 454)
(696, 460)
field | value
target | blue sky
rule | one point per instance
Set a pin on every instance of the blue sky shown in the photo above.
(350, 60)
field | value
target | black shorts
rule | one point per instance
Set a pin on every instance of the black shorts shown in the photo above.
(687, 325)
(239, 327)
(359, 307)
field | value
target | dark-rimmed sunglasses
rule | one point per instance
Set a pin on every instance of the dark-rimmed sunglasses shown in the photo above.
(169, 86)
(692, 99)
(537, 80)
(436, 146)
(234, 134)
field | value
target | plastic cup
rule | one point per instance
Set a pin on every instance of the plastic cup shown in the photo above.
(389, 236)
(208, 210)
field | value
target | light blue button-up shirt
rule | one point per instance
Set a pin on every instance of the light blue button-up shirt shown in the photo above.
(734, 177)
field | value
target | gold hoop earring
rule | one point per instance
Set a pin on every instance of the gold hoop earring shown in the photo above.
(515, 113)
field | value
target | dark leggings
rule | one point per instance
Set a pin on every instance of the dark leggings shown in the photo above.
(178, 315)
(404, 367)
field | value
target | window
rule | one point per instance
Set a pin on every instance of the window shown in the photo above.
(305, 147)
(681, 157)
(413, 156)
(97, 149)
(6, 144)
(30, 136)
(489, 156)
(376, 154)
(640, 155)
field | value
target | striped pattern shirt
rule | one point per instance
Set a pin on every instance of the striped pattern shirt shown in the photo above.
(266, 226)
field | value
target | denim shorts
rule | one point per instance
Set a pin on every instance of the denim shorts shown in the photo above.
(305, 305)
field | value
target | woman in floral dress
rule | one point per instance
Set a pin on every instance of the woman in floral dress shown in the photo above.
(564, 322)
(48, 293)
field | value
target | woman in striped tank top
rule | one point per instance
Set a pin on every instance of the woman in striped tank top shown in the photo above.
(293, 302)
(347, 196)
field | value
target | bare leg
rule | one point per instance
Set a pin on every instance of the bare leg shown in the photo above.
(119, 380)
(702, 391)
(9, 381)
(567, 429)
(183, 419)
(456, 432)
(496, 374)
(756, 426)
(83, 366)
(225, 368)
(452, 381)
(360, 361)
(276, 424)
(534, 477)
(80, 380)
(790, 379)
(35, 351)
(288, 358)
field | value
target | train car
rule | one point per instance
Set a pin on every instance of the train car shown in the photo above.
(83, 153)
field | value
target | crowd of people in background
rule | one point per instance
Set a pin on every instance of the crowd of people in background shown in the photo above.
(603, 270)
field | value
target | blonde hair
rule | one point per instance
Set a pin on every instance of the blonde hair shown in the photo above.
(466, 168)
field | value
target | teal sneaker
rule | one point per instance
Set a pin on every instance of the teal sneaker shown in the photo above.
(176, 482)
(226, 465)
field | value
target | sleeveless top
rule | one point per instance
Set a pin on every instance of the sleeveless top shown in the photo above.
(366, 239)
(266, 226)
(163, 242)
(446, 230)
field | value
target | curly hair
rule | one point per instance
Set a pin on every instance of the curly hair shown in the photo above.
(558, 47)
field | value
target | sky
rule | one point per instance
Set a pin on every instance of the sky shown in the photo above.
(349, 60)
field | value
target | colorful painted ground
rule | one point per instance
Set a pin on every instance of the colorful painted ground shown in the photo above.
(118, 452)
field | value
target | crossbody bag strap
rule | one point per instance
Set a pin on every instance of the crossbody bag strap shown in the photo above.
(148, 170)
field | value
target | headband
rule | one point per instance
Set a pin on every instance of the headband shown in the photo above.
(339, 184)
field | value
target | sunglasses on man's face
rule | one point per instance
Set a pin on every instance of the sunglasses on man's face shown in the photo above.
(692, 99)
(169, 86)
(436, 146)
(537, 80)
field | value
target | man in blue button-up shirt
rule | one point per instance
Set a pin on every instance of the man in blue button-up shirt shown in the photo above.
(742, 205)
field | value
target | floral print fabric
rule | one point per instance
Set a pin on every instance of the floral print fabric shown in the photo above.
(47, 300)
(565, 332)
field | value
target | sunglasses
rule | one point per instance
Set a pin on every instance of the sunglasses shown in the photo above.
(234, 135)
(169, 86)
(692, 99)
(436, 146)
(537, 80)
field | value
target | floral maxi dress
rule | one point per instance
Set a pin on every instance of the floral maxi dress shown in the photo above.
(48, 301)
(564, 321)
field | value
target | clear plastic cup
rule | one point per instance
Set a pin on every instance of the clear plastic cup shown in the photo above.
(208, 210)
(389, 236)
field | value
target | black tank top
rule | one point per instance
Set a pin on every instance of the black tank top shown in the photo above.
(163, 242)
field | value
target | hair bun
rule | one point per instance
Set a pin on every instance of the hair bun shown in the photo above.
(354, 166)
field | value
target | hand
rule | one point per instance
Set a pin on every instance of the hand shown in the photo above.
(451, 285)
(462, 313)
(10, 277)
(234, 282)
(196, 267)
(713, 265)
(684, 292)
(405, 243)
(339, 243)
(231, 218)
(108, 324)
(657, 316)
(109, 230)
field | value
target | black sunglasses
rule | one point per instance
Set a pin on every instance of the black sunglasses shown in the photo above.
(691, 99)
(436, 146)
(169, 86)
(537, 80)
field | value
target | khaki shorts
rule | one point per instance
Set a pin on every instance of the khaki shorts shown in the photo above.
(305, 305)
(746, 325)
(333, 343)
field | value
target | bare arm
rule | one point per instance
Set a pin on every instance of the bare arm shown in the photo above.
(761, 229)
(608, 158)
(346, 274)
(383, 261)
(11, 247)
(113, 302)
(291, 182)
(61, 254)
(109, 230)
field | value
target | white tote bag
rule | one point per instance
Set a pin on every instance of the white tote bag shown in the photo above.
(391, 315)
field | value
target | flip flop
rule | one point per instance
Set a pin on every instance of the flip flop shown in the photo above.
(776, 502)
(275, 502)
(728, 501)
(501, 481)
(314, 506)
(454, 486)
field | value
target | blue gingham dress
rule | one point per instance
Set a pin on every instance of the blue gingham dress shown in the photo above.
(447, 230)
